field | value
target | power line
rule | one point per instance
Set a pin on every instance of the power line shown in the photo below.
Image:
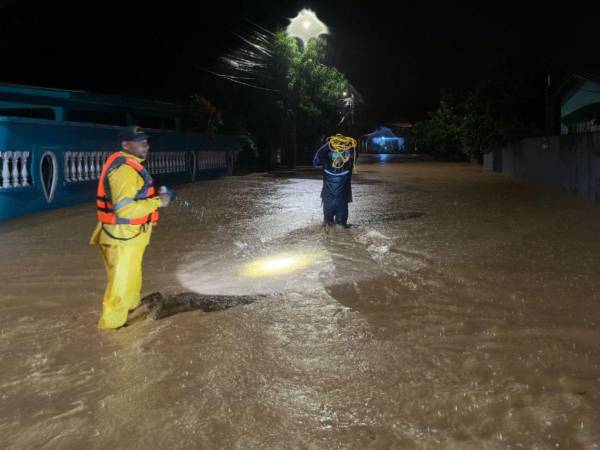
(234, 79)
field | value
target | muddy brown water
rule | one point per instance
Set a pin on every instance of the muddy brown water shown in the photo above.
(461, 311)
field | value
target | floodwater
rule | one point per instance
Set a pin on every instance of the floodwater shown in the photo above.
(460, 311)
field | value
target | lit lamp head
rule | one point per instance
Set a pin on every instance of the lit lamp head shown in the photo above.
(305, 26)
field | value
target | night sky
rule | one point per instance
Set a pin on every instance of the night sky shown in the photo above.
(398, 55)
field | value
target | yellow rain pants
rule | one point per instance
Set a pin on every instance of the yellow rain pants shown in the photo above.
(124, 270)
(122, 247)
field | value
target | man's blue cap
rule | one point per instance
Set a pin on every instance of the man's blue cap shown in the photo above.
(133, 133)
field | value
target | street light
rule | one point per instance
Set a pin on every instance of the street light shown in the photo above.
(305, 26)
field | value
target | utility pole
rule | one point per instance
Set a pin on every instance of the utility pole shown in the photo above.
(548, 133)
(548, 107)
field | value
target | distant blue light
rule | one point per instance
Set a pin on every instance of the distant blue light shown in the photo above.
(384, 139)
(396, 142)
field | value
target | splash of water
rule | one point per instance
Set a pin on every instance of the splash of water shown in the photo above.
(188, 206)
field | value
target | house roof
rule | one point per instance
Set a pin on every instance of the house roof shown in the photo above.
(576, 77)
(382, 131)
(73, 98)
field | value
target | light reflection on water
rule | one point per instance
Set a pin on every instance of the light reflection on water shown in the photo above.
(460, 311)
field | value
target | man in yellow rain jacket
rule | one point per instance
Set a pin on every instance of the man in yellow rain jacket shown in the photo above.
(127, 207)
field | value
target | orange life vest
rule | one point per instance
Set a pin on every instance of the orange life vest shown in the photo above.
(104, 205)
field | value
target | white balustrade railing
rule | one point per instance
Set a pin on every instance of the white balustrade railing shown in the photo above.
(212, 160)
(15, 166)
(166, 162)
(84, 166)
(14, 169)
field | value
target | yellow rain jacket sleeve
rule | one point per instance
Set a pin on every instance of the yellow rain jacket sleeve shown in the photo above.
(125, 183)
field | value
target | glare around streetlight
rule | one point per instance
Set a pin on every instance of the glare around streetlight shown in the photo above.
(306, 25)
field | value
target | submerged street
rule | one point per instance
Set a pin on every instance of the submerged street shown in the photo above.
(459, 311)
